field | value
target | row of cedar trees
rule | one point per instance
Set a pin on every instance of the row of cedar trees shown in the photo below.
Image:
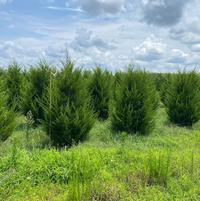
(66, 102)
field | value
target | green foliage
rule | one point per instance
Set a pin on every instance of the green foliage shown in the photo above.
(100, 92)
(35, 87)
(68, 117)
(2, 72)
(163, 166)
(7, 117)
(118, 77)
(14, 82)
(183, 98)
(162, 82)
(157, 168)
(135, 103)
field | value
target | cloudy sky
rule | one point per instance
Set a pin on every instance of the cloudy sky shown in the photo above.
(159, 35)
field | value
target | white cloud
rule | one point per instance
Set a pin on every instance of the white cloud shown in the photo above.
(184, 35)
(163, 12)
(178, 57)
(87, 39)
(93, 37)
(17, 50)
(98, 7)
(187, 32)
(196, 47)
(151, 49)
(65, 9)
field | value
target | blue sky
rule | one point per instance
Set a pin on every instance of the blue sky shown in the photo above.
(159, 35)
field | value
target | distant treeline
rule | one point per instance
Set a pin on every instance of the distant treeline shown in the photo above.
(67, 101)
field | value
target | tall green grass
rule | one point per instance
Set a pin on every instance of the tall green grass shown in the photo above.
(158, 168)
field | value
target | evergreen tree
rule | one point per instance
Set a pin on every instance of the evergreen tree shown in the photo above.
(183, 98)
(35, 87)
(2, 72)
(100, 92)
(14, 82)
(68, 117)
(135, 103)
(7, 116)
(162, 85)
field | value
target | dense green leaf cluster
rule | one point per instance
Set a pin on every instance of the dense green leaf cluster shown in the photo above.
(7, 116)
(14, 82)
(68, 117)
(67, 101)
(34, 89)
(100, 92)
(135, 103)
(183, 98)
(162, 82)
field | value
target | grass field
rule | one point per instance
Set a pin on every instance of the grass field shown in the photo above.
(107, 167)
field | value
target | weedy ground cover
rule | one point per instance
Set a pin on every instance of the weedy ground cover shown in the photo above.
(108, 166)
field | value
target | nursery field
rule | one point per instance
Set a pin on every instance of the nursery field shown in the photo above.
(108, 166)
(93, 135)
